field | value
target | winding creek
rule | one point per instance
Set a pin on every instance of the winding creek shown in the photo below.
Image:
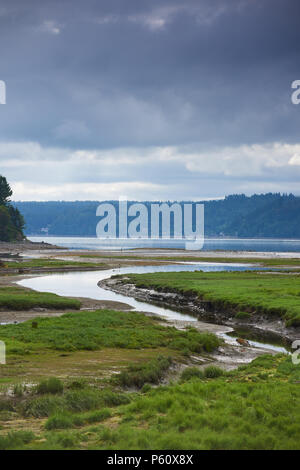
(85, 284)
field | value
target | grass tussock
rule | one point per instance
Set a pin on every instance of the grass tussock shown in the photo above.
(209, 372)
(191, 373)
(138, 375)
(212, 372)
(71, 401)
(51, 385)
(16, 440)
(67, 420)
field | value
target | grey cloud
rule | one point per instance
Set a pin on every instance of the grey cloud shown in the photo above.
(199, 76)
(212, 74)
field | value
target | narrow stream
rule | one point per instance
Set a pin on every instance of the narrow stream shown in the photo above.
(84, 284)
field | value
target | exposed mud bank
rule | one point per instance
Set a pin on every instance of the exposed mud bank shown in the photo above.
(259, 325)
(49, 269)
(20, 246)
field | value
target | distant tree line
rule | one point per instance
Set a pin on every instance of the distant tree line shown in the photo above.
(11, 220)
(261, 215)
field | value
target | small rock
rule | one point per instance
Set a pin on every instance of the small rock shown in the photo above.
(243, 342)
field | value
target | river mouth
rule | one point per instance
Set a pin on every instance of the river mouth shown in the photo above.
(85, 284)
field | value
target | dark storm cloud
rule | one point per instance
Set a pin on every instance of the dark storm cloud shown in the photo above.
(118, 73)
(149, 98)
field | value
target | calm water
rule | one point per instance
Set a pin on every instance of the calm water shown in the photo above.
(84, 284)
(240, 244)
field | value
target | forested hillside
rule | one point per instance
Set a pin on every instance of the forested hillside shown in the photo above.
(265, 215)
(11, 221)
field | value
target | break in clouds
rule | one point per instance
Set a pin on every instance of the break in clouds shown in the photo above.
(149, 99)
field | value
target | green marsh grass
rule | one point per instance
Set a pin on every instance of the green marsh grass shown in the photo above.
(72, 401)
(93, 330)
(67, 420)
(212, 372)
(51, 385)
(275, 295)
(16, 440)
(256, 406)
(138, 375)
(253, 407)
(191, 373)
(16, 298)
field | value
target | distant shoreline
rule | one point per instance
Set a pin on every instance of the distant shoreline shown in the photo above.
(19, 246)
(230, 245)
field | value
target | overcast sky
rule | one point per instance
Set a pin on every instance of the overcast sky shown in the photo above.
(149, 99)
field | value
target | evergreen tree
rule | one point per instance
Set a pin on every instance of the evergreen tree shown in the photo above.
(16, 218)
(5, 191)
(5, 224)
(11, 220)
